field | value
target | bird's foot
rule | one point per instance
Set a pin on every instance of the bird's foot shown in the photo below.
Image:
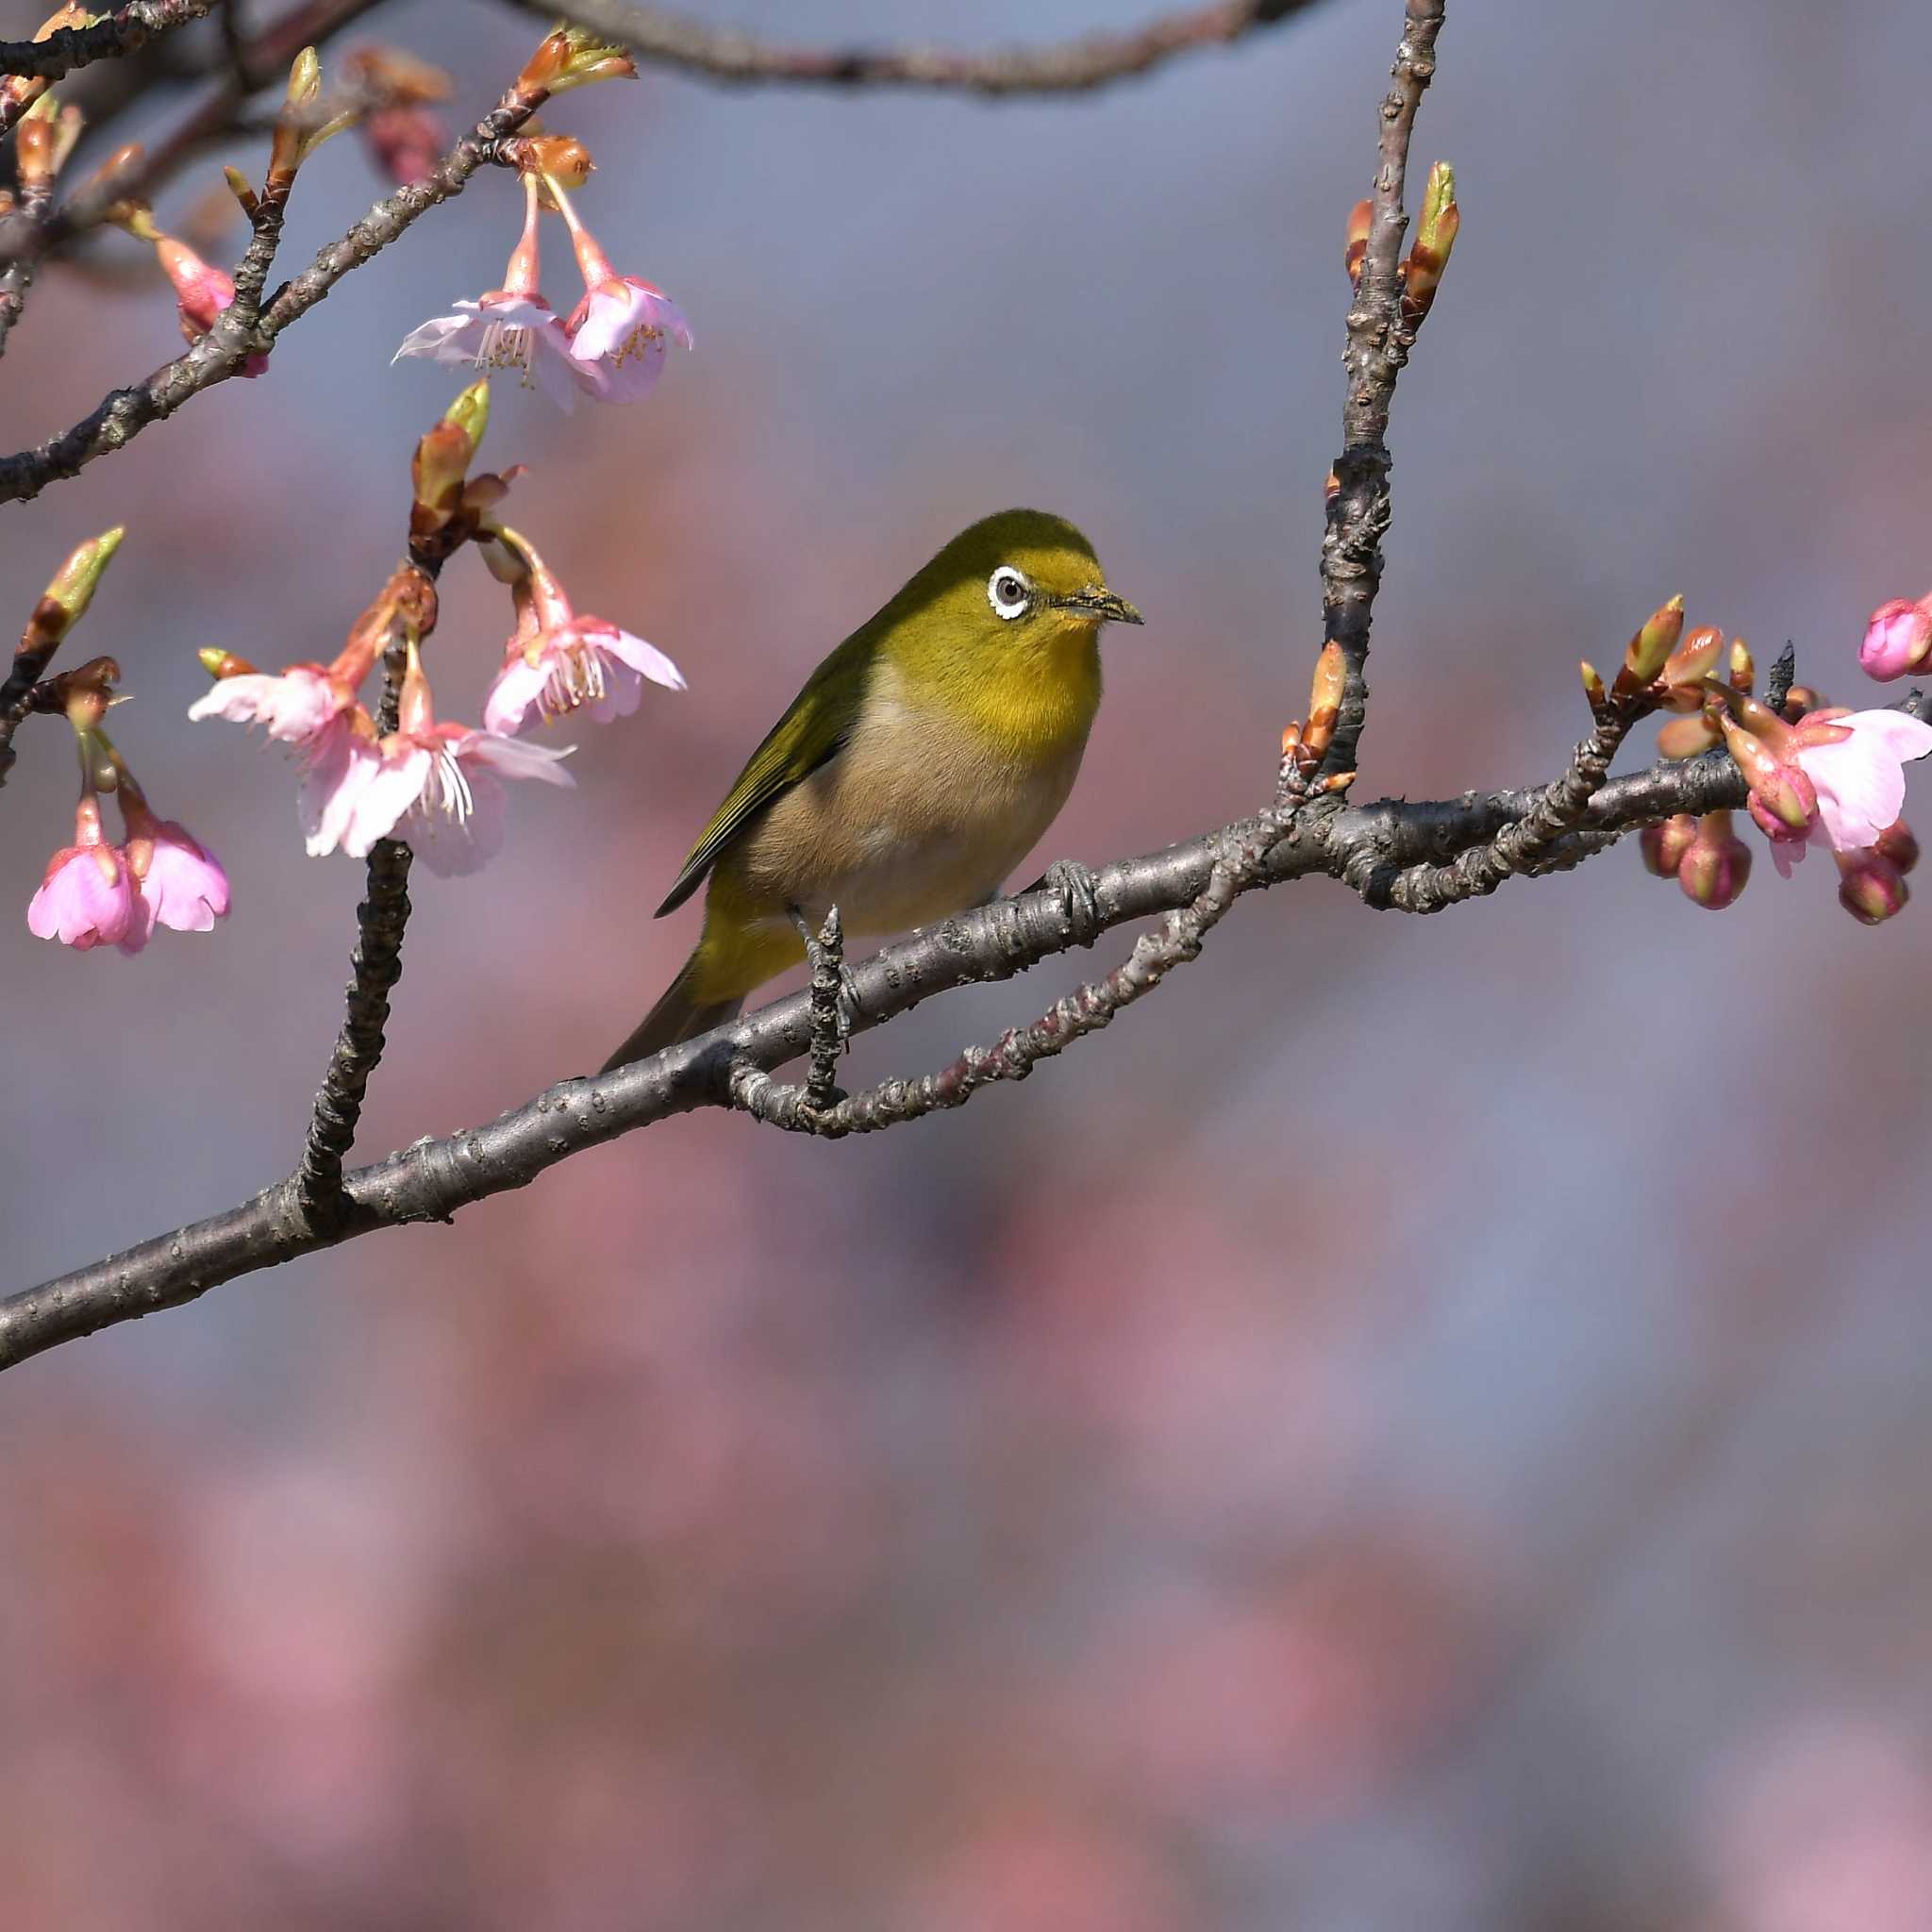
(834, 1004)
(1079, 894)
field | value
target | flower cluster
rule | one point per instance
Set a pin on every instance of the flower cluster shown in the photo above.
(1817, 775)
(96, 892)
(613, 344)
(435, 784)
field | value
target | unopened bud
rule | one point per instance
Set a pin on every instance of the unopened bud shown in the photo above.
(1435, 236)
(1663, 846)
(1687, 737)
(1650, 649)
(1324, 696)
(441, 461)
(72, 591)
(1744, 667)
(219, 663)
(1898, 639)
(391, 75)
(1783, 790)
(560, 156)
(469, 411)
(572, 56)
(1870, 888)
(1594, 685)
(1897, 844)
(1716, 864)
(1801, 699)
(1689, 664)
(1361, 218)
(244, 194)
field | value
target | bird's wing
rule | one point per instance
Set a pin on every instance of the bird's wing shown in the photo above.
(811, 732)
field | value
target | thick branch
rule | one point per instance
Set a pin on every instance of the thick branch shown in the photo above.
(432, 1179)
(665, 38)
(120, 32)
(124, 412)
(1379, 345)
(1019, 1049)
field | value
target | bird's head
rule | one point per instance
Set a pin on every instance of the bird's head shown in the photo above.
(1016, 586)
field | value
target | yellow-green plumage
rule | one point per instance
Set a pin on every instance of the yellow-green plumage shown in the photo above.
(922, 759)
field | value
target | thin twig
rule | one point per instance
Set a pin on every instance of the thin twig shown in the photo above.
(1379, 345)
(666, 39)
(827, 1029)
(1522, 848)
(431, 1180)
(235, 335)
(263, 59)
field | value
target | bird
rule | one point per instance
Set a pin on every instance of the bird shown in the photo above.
(922, 759)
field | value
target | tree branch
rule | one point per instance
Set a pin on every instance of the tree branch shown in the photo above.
(263, 60)
(666, 39)
(26, 240)
(236, 336)
(120, 32)
(431, 1180)
(1379, 345)
(375, 967)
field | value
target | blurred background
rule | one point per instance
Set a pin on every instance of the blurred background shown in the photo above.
(1423, 1426)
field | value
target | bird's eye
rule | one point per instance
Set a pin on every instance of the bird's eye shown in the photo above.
(1005, 591)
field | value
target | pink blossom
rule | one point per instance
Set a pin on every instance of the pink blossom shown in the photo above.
(336, 766)
(510, 327)
(558, 662)
(201, 292)
(1898, 639)
(505, 332)
(297, 706)
(437, 785)
(86, 898)
(1858, 772)
(178, 881)
(623, 325)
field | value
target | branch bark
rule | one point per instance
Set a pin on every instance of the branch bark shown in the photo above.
(1379, 345)
(236, 336)
(120, 32)
(667, 39)
(1366, 847)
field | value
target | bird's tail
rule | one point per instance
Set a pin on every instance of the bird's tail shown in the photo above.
(679, 1015)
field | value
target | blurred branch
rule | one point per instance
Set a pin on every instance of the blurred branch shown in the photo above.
(26, 240)
(237, 332)
(255, 63)
(1379, 340)
(1368, 847)
(120, 32)
(666, 39)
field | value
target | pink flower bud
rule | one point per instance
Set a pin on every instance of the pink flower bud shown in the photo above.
(1715, 865)
(86, 897)
(1664, 846)
(1870, 888)
(1898, 639)
(1897, 844)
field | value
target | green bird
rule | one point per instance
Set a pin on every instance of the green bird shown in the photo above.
(920, 763)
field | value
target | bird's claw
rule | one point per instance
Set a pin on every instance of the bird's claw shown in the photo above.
(1079, 894)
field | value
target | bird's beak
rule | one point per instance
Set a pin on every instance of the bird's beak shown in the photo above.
(1100, 604)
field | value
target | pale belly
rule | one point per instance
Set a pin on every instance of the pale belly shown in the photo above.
(899, 839)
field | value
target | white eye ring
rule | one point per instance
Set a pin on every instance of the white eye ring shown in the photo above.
(1008, 592)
